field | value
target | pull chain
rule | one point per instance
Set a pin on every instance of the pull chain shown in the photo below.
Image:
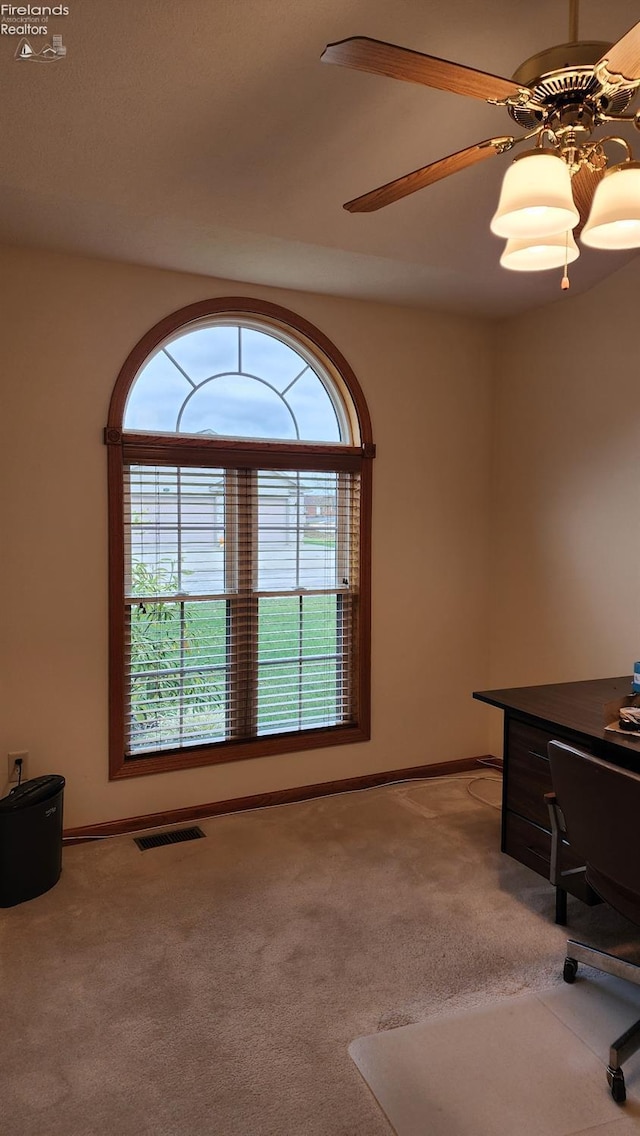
(566, 283)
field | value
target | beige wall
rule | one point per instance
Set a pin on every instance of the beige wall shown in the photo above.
(68, 324)
(566, 520)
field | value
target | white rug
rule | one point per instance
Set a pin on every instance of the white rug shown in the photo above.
(525, 1066)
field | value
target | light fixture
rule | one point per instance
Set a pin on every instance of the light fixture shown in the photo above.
(536, 198)
(545, 185)
(614, 220)
(534, 254)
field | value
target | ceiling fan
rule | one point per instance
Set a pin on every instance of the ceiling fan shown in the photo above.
(559, 96)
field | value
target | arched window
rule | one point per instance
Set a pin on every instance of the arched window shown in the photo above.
(240, 495)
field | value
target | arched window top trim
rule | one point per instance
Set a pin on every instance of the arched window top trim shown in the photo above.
(248, 312)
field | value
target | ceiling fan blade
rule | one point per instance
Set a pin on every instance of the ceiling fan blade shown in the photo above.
(419, 179)
(583, 186)
(620, 65)
(381, 58)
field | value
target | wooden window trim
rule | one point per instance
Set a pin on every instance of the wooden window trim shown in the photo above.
(124, 448)
(232, 306)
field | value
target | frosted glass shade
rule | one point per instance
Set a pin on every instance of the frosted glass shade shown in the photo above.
(537, 253)
(536, 198)
(614, 221)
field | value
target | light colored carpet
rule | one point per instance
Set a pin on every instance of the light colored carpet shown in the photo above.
(533, 1065)
(212, 988)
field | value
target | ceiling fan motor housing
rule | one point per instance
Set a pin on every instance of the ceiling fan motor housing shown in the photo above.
(563, 76)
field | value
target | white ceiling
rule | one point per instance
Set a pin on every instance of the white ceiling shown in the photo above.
(205, 135)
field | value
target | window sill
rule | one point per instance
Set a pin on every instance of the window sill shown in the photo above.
(224, 752)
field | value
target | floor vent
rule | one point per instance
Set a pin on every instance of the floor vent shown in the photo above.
(176, 836)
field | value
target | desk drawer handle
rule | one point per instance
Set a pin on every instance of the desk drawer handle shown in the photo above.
(542, 756)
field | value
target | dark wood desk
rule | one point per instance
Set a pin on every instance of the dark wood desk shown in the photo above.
(573, 712)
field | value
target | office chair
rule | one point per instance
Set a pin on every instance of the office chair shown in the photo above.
(597, 806)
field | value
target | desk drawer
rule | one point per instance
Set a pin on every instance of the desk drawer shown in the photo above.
(529, 775)
(527, 739)
(531, 845)
(528, 843)
(529, 772)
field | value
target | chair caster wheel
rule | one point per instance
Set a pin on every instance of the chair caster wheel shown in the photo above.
(569, 970)
(615, 1081)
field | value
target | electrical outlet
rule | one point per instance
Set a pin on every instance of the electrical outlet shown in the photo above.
(12, 758)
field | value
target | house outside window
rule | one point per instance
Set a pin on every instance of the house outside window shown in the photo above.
(240, 456)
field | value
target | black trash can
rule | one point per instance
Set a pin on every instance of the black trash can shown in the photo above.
(30, 839)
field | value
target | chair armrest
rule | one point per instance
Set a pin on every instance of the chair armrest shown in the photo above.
(555, 812)
(558, 826)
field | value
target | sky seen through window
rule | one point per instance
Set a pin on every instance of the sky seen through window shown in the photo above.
(232, 381)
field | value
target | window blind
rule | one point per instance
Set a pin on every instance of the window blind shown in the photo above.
(241, 603)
